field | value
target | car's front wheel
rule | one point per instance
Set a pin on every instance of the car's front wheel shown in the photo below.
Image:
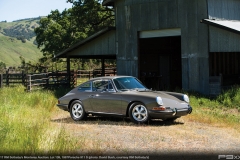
(138, 113)
(77, 111)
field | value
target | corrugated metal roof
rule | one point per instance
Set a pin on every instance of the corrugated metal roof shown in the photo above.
(230, 25)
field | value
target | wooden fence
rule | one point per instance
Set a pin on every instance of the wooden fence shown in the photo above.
(12, 79)
(1, 80)
(95, 73)
(50, 80)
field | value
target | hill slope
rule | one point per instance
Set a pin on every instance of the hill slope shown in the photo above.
(17, 39)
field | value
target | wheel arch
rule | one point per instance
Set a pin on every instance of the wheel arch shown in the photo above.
(129, 105)
(69, 104)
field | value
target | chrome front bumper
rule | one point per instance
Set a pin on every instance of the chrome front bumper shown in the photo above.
(170, 113)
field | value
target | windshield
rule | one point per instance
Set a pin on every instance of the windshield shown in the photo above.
(128, 83)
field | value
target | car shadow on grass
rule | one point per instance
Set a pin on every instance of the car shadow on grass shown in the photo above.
(97, 120)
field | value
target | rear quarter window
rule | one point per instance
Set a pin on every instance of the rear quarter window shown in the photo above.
(85, 87)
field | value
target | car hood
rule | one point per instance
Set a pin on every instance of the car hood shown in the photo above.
(173, 96)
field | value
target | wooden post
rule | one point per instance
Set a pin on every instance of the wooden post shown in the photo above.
(78, 73)
(23, 78)
(7, 77)
(68, 71)
(75, 78)
(56, 82)
(29, 83)
(47, 80)
(1, 81)
(103, 67)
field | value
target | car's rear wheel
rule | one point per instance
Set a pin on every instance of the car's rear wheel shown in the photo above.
(77, 111)
(138, 113)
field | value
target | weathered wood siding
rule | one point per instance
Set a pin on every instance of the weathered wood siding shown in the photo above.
(223, 41)
(195, 72)
(224, 9)
(133, 16)
(103, 45)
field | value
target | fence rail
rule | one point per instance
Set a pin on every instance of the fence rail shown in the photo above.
(51, 79)
(96, 73)
(36, 80)
(13, 78)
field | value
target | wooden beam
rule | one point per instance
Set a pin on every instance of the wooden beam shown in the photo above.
(103, 66)
(68, 71)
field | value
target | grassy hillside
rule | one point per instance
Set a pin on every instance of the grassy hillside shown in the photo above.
(17, 39)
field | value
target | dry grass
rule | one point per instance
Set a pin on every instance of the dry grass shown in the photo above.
(104, 136)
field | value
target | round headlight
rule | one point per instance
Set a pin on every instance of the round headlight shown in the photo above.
(185, 98)
(159, 101)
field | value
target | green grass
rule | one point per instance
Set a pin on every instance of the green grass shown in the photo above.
(12, 49)
(25, 126)
(81, 80)
(223, 110)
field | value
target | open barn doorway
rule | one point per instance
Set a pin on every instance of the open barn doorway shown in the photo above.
(226, 67)
(160, 62)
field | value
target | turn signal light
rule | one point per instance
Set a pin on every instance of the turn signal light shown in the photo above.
(161, 108)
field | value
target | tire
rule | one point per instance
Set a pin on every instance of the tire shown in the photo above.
(138, 113)
(77, 111)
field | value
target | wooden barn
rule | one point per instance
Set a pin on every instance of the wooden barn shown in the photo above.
(168, 44)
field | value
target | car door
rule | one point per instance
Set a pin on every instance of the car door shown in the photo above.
(104, 98)
(84, 94)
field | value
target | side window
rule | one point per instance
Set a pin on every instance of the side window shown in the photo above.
(97, 85)
(103, 86)
(110, 87)
(85, 87)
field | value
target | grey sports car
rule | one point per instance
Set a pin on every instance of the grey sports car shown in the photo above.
(123, 96)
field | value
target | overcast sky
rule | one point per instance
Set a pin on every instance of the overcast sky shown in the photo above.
(11, 10)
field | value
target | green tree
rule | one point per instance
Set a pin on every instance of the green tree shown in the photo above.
(2, 66)
(59, 31)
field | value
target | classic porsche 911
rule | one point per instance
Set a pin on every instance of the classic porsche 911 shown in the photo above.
(123, 96)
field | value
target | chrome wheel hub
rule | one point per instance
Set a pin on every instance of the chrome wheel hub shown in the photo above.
(77, 110)
(139, 113)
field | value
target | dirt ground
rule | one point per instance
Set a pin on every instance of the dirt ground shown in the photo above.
(104, 136)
